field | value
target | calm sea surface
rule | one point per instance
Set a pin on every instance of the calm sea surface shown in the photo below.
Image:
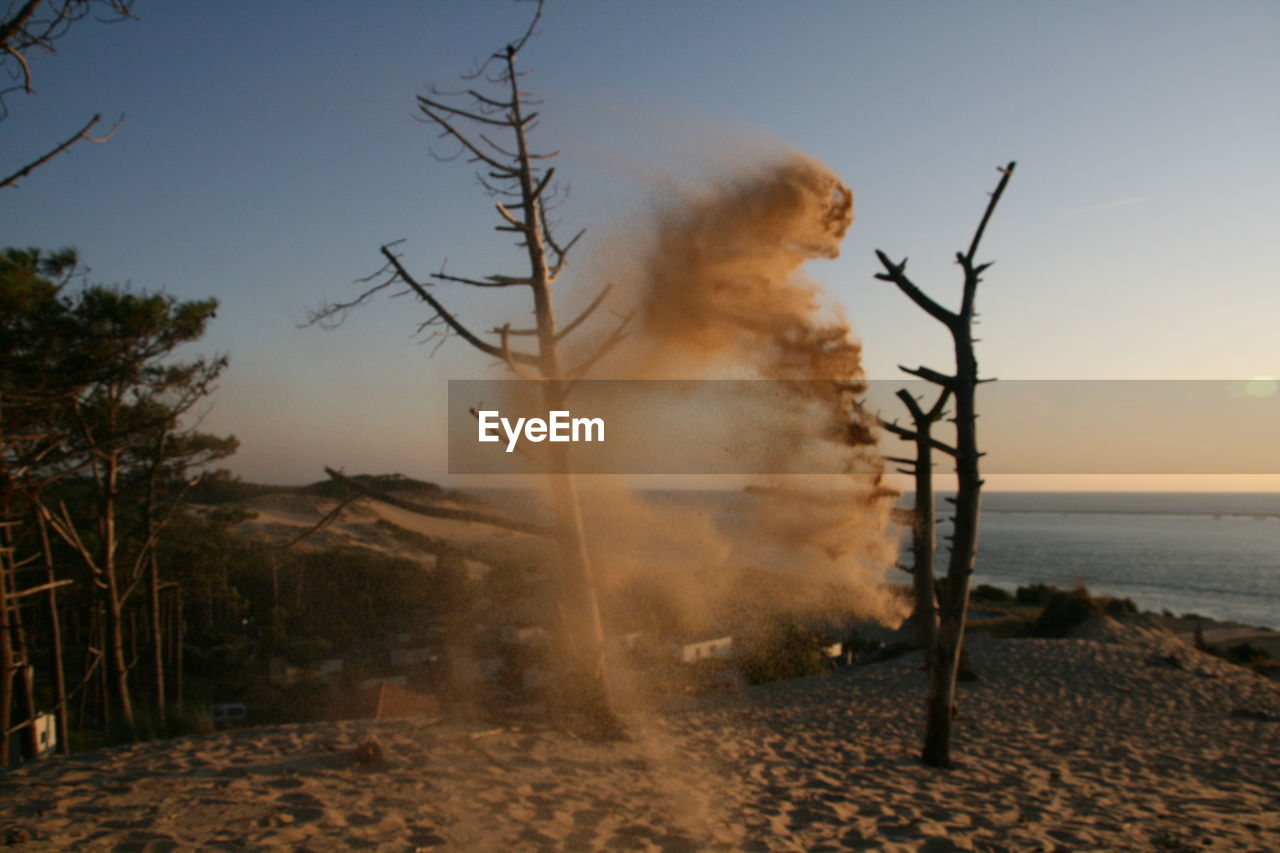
(1216, 554)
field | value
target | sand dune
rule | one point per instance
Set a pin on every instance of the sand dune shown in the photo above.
(376, 527)
(1064, 745)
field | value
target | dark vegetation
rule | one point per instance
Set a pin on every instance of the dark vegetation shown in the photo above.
(129, 605)
(1041, 610)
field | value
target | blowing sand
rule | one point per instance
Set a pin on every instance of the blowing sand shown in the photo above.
(1063, 745)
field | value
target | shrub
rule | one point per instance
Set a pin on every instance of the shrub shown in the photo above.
(1062, 612)
(1246, 654)
(781, 650)
(986, 592)
(1036, 593)
(1118, 606)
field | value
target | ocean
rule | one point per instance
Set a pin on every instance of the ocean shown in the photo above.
(1214, 554)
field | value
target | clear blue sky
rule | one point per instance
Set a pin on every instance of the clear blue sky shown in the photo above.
(270, 148)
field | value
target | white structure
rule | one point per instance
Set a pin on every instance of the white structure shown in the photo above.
(721, 648)
(229, 713)
(46, 733)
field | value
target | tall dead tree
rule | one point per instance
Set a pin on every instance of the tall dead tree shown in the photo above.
(962, 386)
(514, 175)
(924, 539)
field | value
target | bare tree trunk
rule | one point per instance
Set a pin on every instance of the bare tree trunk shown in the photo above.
(585, 630)
(27, 695)
(924, 538)
(940, 702)
(59, 676)
(157, 635)
(924, 547)
(61, 710)
(513, 175)
(941, 698)
(6, 643)
(13, 655)
(178, 639)
(112, 599)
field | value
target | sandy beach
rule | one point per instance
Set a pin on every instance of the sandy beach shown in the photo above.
(1136, 743)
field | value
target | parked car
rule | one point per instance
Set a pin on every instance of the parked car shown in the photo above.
(229, 713)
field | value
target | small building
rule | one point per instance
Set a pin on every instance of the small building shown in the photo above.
(720, 648)
(229, 714)
(46, 726)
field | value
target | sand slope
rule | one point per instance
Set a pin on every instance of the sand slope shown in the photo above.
(1065, 745)
(369, 525)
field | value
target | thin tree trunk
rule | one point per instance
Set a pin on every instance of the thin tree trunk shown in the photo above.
(964, 546)
(55, 639)
(179, 639)
(924, 547)
(115, 627)
(153, 586)
(27, 695)
(949, 641)
(13, 655)
(6, 643)
(157, 636)
(586, 633)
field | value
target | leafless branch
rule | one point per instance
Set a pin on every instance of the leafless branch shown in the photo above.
(586, 312)
(616, 337)
(514, 48)
(449, 130)
(492, 281)
(428, 104)
(897, 274)
(500, 105)
(911, 435)
(972, 273)
(1006, 173)
(507, 215)
(81, 135)
(510, 358)
(930, 375)
(444, 314)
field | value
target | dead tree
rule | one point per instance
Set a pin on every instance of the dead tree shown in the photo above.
(514, 175)
(962, 386)
(34, 27)
(924, 540)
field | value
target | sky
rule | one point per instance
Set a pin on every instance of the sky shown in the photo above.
(268, 150)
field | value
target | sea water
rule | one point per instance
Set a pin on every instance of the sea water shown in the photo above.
(1214, 554)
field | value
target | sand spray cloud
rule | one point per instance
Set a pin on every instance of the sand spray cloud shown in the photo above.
(717, 285)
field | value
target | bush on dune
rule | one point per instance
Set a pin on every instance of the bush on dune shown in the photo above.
(781, 650)
(1063, 610)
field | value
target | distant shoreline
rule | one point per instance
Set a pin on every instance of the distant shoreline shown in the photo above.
(1189, 512)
